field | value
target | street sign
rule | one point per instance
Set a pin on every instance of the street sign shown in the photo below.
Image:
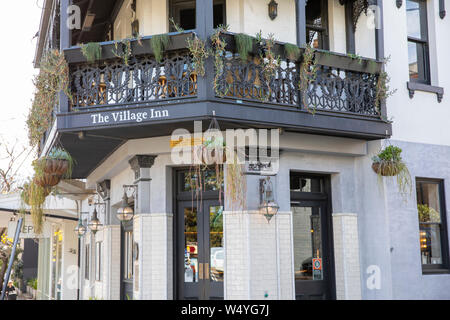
(27, 231)
(317, 269)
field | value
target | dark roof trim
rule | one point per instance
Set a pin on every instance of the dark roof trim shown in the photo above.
(45, 215)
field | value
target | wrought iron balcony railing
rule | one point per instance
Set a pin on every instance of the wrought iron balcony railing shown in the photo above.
(343, 84)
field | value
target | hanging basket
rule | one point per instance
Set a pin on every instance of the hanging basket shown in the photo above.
(47, 180)
(386, 169)
(55, 166)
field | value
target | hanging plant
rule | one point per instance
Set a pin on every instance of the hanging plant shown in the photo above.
(244, 45)
(219, 46)
(37, 196)
(199, 53)
(308, 74)
(49, 170)
(388, 163)
(236, 186)
(292, 51)
(159, 43)
(52, 79)
(122, 50)
(270, 62)
(92, 51)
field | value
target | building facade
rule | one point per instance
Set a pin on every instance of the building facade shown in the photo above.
(340, 231)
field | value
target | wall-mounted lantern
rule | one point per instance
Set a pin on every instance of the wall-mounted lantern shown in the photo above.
(80, 229)
(268, 207)
(125, 212)
(273, 9)
(95, 225)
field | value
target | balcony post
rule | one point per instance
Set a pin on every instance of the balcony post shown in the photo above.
(65, 42)
(379, 38)
(300, 9)
(349, 29)
(205, 28)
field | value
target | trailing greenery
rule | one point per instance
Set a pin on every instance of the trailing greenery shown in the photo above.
(176, 25)
(292, 51)
(308, 74)
(58, 164)
(52, 79)
(219, 51)
(37, 199)
(389, 162)
(197, 48)
(236, 186)
(355, 57)
(383, 90)
(244, 45)
(159, 43)
(270, 61)
(92, 51)
(122, 50)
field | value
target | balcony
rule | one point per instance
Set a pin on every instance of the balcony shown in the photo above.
(113, 101)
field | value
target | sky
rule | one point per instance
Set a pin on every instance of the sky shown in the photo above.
(19, 23)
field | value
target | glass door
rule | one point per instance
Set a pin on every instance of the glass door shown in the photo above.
(199, 250)
(313, 247)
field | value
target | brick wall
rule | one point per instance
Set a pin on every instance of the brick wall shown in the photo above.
(346, 252)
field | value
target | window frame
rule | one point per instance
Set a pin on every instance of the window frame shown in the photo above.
(423, 57)
(444, 267)
(324, 31)
(87, 250)
(98, 261)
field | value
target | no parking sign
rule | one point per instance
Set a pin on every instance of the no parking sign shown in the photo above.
(317, 269)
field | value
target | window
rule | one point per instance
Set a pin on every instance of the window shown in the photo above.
(418, 52)
(432, 224)
(98, 261)
(317, 24)
(86, 259)
(128, 256)
(183, 13)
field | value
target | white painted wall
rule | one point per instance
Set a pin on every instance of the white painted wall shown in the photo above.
(152, 16)
(249, 16)
(421, 119)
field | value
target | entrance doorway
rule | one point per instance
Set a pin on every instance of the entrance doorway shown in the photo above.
(199, 250)
(313, 241)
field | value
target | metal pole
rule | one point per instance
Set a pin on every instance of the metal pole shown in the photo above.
(11, 259)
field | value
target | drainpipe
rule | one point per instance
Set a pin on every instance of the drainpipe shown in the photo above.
(11, 259)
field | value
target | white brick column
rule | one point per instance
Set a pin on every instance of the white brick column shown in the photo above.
(258, 256)
(155, 256)
(346, 253)
(153, 270)
(112, 259)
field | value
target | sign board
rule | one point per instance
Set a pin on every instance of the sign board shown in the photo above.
(27, 231)
(317, 269)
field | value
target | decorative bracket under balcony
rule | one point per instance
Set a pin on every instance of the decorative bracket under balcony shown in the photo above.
(358, 7)
(104, 189)
(141, 162)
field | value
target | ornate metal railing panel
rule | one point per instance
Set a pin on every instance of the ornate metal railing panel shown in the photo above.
(333, 89)
(112, 82)
(247, 81)
(343, 91)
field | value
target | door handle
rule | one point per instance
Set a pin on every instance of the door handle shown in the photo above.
(200, 271)
(207, 271)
